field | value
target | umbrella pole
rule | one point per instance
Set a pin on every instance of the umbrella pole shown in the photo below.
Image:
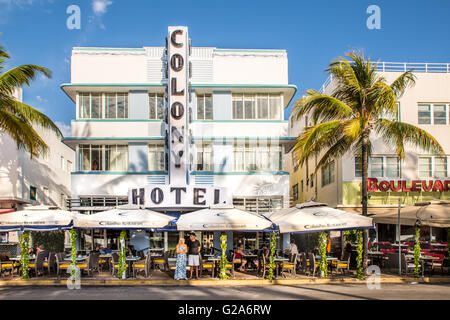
(398, 238)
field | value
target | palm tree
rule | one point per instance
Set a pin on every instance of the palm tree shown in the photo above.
(361, 106)
(17, 118)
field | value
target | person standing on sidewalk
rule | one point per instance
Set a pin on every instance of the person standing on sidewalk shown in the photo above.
(194, 251)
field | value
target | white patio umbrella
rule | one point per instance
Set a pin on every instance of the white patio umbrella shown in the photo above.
(314, 217)
(37, 218)
(222, 218)
(123, 217)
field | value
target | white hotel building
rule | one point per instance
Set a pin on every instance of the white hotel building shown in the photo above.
(232, 129)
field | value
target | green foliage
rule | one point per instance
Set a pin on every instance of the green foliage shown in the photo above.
(359, 252)
(223, 257)
(273, 245)
(52, 241)
(350, 236)
(17, 118)
(73, 253)
(323, 265)
(121, 272)
(24, 254)
(417, 252)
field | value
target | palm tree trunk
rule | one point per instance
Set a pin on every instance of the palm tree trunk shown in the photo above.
(365, 174)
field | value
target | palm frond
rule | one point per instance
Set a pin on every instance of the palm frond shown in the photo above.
(23, 133)
(20, 76)
(325, 108)
(30, 114)
(398, 133)
(405, 80)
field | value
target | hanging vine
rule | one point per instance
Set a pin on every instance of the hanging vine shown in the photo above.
(73, 254)
(273, 245)
(24, 254)
(122, 270)
(223, 257)
(417, 252)
(359, 251)
(323, 265)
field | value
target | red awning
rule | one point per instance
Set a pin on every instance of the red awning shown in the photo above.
(6, 210)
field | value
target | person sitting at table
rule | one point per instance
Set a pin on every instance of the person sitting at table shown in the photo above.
(41, 249)
(181, 249)
(107, 249)
(293, 247)
(131, 251)
(97, 249)
(239, 254)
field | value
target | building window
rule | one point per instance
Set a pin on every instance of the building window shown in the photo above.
(425, 167)
(204, 107)
(32, 193)
(295, 192)
(257, 106)
(424, 114)
(328, 174)
(358, 167)
(156, 157)
(376, 167)
(439, 114)
(90, 105)
(257, 156)
(97, 157)
(312, 180)
(204, 157)
(392, 167)
(116, 105)
(156, 106)
(46, 193)
(433, 113)
(63, 167)
(440, 167)
(116, 157)
(301, 185)
(69, 166)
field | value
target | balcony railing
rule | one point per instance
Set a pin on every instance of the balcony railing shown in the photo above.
(95, 203)
(419, 67)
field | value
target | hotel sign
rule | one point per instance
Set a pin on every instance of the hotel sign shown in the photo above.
(374, 185)
(178, 75)
(171, 197)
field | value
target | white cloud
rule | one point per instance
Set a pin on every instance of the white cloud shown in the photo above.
(100, 6)
(65, 128)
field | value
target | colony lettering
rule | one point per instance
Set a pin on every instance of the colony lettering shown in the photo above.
(374, 185)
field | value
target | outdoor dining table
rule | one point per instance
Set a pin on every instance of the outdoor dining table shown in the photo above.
(378, 256)
(81, 258)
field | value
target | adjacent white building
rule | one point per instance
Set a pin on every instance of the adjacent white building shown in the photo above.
(231, 124)
(419, 177)
(41, 180)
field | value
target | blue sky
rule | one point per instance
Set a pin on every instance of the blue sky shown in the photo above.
(312, 32)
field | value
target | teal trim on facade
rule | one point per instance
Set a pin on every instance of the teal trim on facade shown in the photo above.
(121, 172)
(237, 120)
(116, 120)
(107, 49)
(214, 85)
(112, 85)
(250, 50)
(236, 173)
(243, 138)
(111, 138)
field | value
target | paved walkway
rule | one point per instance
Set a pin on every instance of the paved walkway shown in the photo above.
(297, 292)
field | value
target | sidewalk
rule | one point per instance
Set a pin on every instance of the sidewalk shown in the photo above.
(159, 278)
